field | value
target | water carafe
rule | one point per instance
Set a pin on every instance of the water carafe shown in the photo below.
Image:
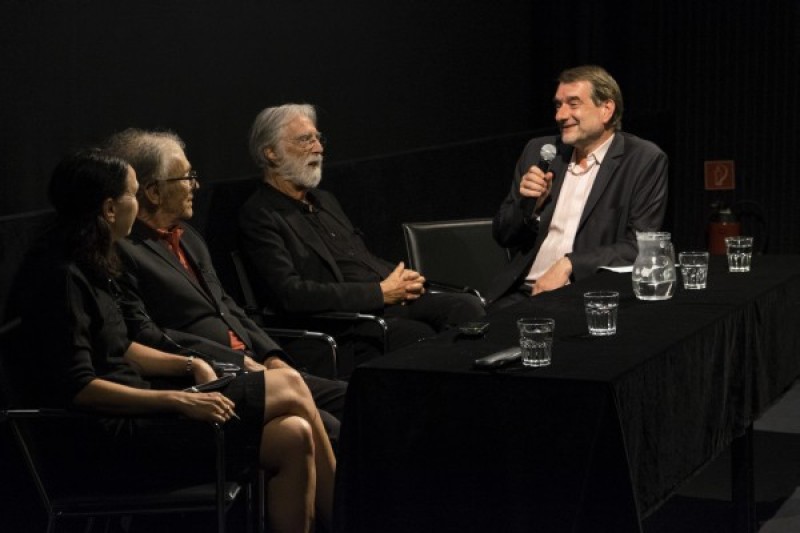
(654, 269)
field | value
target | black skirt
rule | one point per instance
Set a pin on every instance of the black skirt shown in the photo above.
(162, 450)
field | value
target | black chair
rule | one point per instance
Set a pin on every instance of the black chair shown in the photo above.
(323, 340)
(33, 430)
(456, 255)
(322, 321)
(216, 210)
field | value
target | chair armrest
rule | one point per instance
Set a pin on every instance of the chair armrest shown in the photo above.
(317, 320)
(53, 412)
(438, 286)
(261, 317)
(324, 338)
(346, 316)
(6, 414)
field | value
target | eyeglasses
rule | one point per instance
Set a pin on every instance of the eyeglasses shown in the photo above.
(308, 140)
(192, 177)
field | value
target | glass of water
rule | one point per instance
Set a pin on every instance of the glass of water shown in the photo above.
(601, 312)
(740, 253)
(536, 340)
(694, 269)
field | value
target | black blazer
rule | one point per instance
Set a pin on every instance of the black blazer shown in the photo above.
(293, 270)
(629, 195)
(162, 298)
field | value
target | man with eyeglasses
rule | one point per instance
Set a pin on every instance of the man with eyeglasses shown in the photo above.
(306, 254)
(173, 299)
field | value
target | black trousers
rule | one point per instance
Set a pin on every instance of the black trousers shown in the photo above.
(329, 397)
(429, 314)
(406, 324)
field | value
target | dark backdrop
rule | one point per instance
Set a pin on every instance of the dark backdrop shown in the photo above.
(444, 80)
(390, 77)
(386, 76)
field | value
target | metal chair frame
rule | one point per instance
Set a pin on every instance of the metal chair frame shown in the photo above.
(315, 319)
(217, 496)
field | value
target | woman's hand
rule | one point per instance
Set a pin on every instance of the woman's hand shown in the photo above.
(205, 406)
(109, 397)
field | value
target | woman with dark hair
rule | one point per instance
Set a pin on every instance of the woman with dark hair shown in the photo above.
(68, 300)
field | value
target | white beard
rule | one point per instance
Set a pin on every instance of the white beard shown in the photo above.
(299, 172)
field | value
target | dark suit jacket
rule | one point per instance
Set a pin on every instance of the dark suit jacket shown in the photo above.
(162, 298)
(293, 270)
(629, 195)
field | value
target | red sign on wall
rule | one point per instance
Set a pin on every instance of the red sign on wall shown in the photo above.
(720, 175)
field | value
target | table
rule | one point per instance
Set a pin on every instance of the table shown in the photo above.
(592, 443)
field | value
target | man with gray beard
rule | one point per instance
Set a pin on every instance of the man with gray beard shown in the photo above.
(308, 257)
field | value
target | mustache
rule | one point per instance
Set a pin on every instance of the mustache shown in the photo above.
(305, 172)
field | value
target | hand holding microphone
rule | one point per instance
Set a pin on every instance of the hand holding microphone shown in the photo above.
(537, 181)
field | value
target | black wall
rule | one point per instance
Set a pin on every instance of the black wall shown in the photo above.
(386, 76)
(706, 80)
(390, 77)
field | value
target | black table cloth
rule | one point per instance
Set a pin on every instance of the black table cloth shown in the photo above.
(591, 443)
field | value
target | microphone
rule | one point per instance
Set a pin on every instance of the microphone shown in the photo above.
(533, 206)
(546, 156)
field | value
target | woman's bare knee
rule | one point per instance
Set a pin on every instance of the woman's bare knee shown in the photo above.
(285, 440)
(287, 394)
(294, 380)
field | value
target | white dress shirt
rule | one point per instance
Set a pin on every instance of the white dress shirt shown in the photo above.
(575, 191)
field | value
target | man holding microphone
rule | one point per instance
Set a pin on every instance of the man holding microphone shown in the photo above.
(564, 219)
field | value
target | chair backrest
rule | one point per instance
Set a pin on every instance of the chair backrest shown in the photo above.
(15, 392)
(17, 233)
(243, 278)
(455, 252)
(19, 395)
(216, 217)
(5, 401)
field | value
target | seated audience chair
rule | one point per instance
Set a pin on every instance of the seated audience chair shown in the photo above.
(320, 321)
(456, 255)
(42, 459)
(323, 340)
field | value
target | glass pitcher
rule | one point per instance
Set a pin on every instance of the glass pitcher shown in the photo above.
(654, 275)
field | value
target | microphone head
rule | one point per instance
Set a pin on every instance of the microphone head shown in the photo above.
(548, 152)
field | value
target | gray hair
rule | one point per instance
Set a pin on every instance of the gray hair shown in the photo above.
(145, 151)
(268, 128)
(604, 88)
